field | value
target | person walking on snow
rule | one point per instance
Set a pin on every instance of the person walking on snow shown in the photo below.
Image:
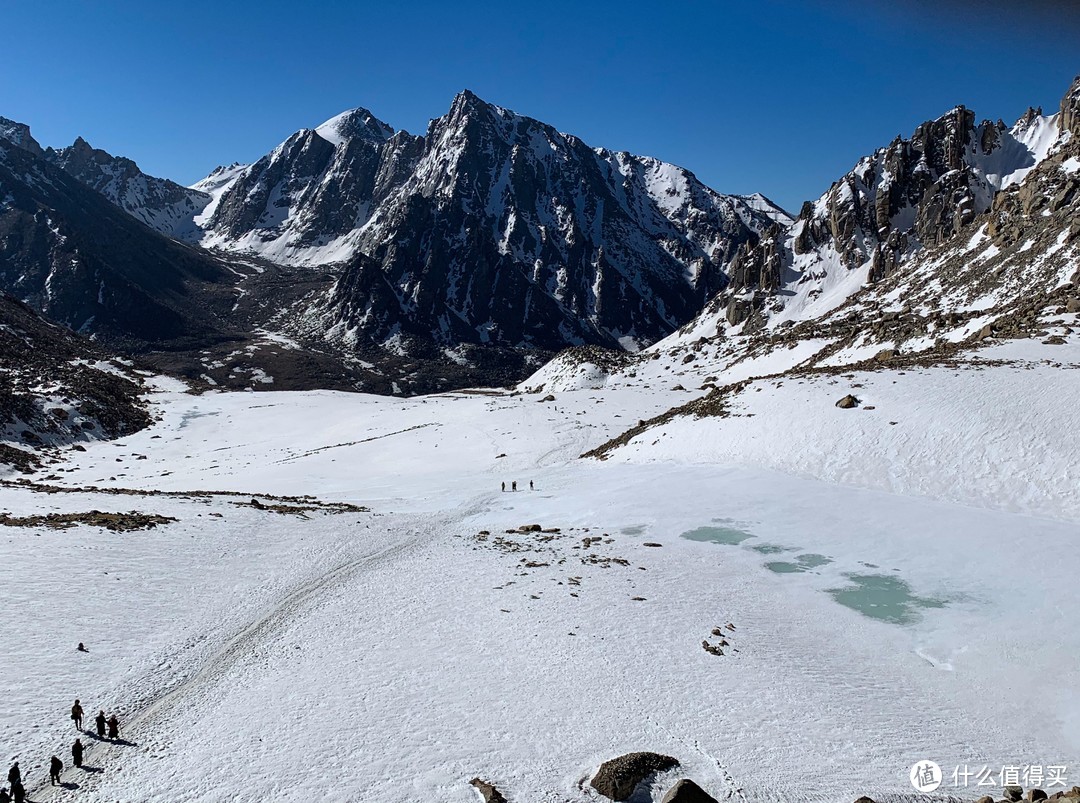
(76, 753)
(530, 485)
(99, 720)
(504, 487)
(76, 715)
(56, 766)
(14, 775)
(18, 792)
(513, 485)
(4, 796)
(114, 727)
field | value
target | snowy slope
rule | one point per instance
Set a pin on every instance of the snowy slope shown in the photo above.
(396, 654)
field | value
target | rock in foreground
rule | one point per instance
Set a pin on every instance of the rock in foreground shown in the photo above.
(618, 777)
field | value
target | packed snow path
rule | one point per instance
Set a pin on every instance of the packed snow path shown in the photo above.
(393, 655)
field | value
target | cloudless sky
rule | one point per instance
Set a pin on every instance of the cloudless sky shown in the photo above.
(773, 96)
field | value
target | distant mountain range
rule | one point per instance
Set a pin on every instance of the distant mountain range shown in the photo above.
(355, 256)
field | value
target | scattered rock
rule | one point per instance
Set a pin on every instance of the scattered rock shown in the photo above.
(686, 791)
(1013, 792)
(548, 398)
(1036, 794)
(847, 402)
(652, 544)
(487, 791)
(116, 522)
(618, 778)
(530, 528)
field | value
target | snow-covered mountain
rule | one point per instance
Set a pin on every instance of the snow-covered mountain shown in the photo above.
(163, 205)
(77, 257)
(915, 194)
(932, 247)
(492, 228)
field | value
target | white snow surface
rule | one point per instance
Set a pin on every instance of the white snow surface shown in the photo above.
(391, 656)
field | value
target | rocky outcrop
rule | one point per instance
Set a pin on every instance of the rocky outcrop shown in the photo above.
(488, 792)
(56, 387)
(686, 791)
(618, 778)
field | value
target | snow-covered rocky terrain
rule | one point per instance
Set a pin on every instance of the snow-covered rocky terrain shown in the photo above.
(822, 531)
(899, 578)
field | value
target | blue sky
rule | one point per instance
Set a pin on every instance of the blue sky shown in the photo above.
(774, 96)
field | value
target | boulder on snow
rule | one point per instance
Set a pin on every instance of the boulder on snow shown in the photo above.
(885, 355)
(618, 778)
(1036, 794)
(686, 791)
(865, 799)
(530, 528)
(847, 402)
(1013, 792)
(487, 791)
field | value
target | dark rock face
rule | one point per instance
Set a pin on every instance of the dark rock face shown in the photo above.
(18, 134)
(161, 204)
(686, 791)
(73, 255)
(1070, 109)
(618, 777)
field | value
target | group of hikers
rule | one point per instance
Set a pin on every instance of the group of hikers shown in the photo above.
(513, 486)
(106, 728)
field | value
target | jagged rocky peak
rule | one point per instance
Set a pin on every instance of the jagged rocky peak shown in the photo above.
(19, 134)
(1070, 109)
(163, 205)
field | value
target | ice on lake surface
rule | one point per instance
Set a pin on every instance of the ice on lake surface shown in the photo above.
(718, 535)
(878, 596)
(882, 597)
(802, 563)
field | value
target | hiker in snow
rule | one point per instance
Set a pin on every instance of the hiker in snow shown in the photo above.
(76, 753)
(504, 487)
(4, 796)
(99, 720)
(114, 727)
(56, 766)
(18, 792)
(513, 485)
(14, 776)
(530, 485)
(76, 714)
(82, 647)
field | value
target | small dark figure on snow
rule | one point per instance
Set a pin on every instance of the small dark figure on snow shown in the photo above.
(18, 792)
(530, 485)
(76, 753)
(14, 776)
(99, 720)
(4, 796)
(114, 727)
(82, 647)
(76, 715)
(513, 485)
(504, 487)
(56, 766)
